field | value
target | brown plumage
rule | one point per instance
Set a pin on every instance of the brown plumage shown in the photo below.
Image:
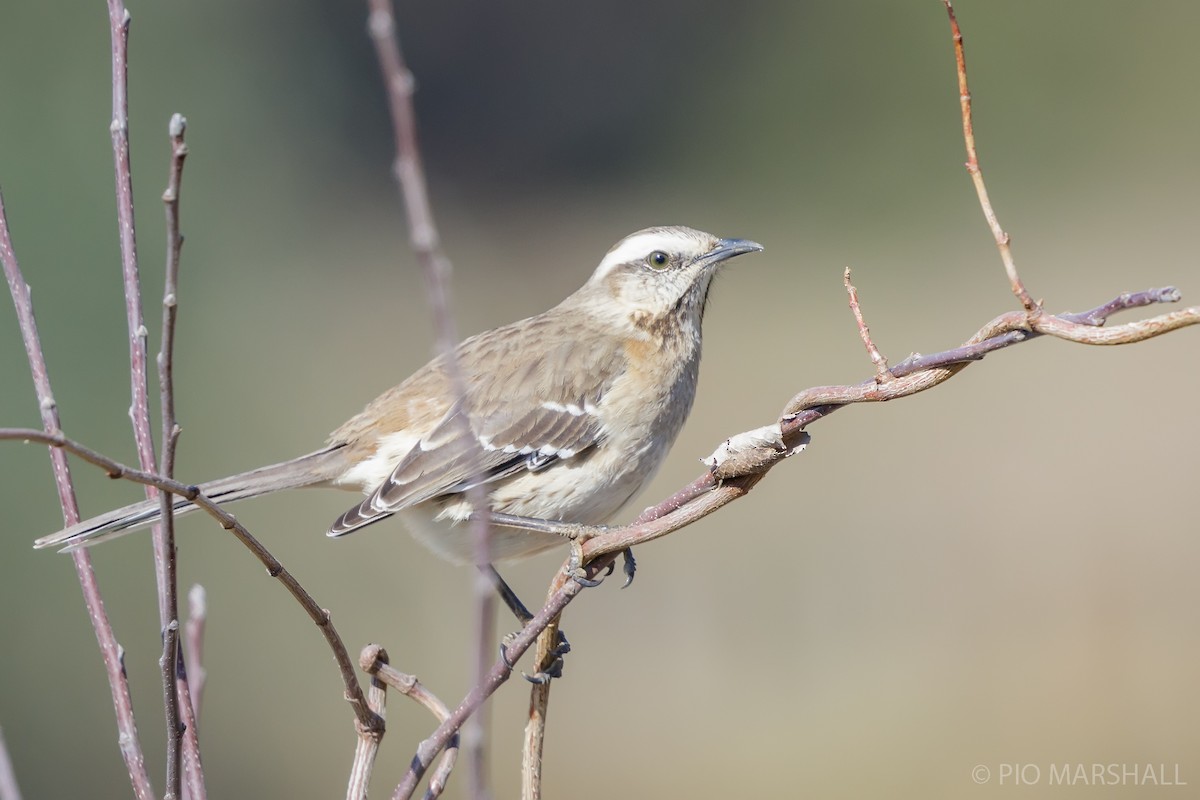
(570, 413)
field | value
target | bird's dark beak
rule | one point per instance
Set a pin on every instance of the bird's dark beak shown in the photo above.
(728, 248)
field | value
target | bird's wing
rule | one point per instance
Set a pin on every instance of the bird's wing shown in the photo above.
(538, 410)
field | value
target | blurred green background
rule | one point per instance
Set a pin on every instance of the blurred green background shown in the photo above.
(999, 572)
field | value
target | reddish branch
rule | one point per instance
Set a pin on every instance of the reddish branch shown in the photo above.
(193, 650)
(426, 244)
(9, 790)
(180, 711)
(139, 410)
(1003, 240)
(320, 616)
(110, 650)
(882, 374)
(374, 661)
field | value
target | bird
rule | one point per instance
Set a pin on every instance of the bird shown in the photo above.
(562, 418)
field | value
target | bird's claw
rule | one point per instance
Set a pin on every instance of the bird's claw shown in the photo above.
(505, 641)
(628, 566)
(546, 675)
(575, 567)
(555, 667)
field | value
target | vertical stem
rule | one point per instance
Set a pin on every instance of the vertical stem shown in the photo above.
(1003, 240)
(410, 175)
(110, 650)
(139, 409)
(9, 790)
(181, 715)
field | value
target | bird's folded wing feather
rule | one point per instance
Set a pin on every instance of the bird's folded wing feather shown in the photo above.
(534, 413)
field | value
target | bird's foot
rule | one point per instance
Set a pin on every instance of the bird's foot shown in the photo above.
(555, 666)
(576, 567)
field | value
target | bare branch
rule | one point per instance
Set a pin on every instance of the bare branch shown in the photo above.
(882, 375)
(130, 744)
(166, 666)
(1003, 240)
(423, 234)
(175, 687)
(320, 616)
(374, 661)
(139, 410)
(369, 740)
(497, 674)
(9, 790)
(735, 476)
(539, 703)
(193, 652)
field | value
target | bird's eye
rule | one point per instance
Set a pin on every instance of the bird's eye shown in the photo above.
(658, 259)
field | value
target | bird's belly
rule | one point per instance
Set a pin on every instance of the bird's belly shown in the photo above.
(583, 491)
(454, 541)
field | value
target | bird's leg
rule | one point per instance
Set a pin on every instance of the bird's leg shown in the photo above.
(523, 615)
(506, 593)
(567, 530)
(575, 533)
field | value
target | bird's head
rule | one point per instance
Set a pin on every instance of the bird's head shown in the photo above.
(661, 275)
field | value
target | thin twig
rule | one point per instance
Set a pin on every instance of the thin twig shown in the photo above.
(193, 773)
(496, 676)
(139, 409)
(175, 686)
(369, 740)
(882, 375)
(374, 661)
(9, 790)
(193, 651)
(533, 745)
(1003, 240)
(128, 741)
(320, 616)
(166, 666)
(426, 244)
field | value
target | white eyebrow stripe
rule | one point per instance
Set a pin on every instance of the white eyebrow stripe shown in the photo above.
(642, 244)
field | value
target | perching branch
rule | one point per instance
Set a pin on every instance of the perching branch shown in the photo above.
(743, 460)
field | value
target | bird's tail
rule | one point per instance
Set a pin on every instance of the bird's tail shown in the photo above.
(311, 470)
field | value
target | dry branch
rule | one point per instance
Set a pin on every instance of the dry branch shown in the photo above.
(374, 661)
(110, 650)
(193, 651)
(320, 616)
(181, 723)
(426, 244)
(9, 790)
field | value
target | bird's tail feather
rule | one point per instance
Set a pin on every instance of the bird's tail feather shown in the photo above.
(310, 470)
